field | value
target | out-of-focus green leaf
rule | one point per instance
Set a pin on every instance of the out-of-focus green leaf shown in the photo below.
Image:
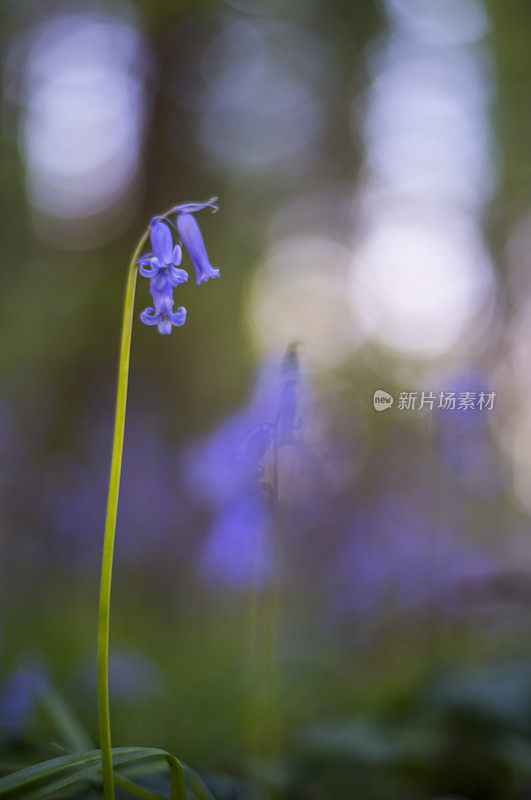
(61, 715)
(369, 742)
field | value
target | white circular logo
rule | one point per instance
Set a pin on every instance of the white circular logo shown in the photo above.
(382, 400)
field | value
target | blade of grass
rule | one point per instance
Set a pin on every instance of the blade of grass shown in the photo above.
(65, 770)
(56, 774)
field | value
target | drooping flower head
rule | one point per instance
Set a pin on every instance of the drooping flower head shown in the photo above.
(192, 239)
(162, 264)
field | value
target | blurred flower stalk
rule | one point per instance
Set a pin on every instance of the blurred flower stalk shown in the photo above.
(265, 608)
(249, 471)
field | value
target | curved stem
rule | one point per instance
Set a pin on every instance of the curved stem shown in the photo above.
(110, 524)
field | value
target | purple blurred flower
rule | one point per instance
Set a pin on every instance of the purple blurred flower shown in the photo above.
(237, 454)
(233, 468)
(18, 696)
(395, 553)
(237, 551)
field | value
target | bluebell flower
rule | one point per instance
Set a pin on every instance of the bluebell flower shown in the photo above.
(161, 265)
(192, 239)
(165, 317)
(163, 314)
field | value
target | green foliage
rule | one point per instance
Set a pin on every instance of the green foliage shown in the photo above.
(58, 774)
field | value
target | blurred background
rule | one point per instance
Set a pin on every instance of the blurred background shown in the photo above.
(309, 594)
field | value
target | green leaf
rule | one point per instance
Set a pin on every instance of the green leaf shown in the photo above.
(50, 777)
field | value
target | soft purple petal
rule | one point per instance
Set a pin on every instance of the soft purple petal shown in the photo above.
(176, 276)
(163, 301)
(145, 259)
(162, 242)
(159, 283)
(177, 255)
(148, 317)
(178, 317)
(164, 325)
(150, 268)
(193, 241)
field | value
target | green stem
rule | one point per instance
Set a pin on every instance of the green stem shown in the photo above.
(110, 524)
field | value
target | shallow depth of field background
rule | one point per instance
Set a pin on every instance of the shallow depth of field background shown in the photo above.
(372, 164)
